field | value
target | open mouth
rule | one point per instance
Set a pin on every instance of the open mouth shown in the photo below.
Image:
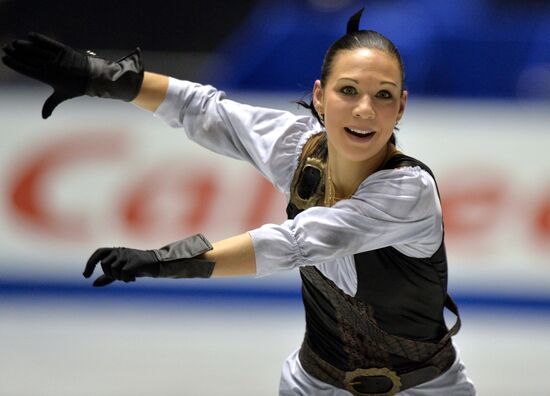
(360, 134)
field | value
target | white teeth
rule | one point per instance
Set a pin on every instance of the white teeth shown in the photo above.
(359, 131)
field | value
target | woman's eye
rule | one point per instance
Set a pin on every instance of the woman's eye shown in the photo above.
(384, 95)
(348, 91)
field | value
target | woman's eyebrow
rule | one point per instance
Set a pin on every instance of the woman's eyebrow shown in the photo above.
(357, 82)
(350, 79)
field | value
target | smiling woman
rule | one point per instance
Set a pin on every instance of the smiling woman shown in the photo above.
(364, 220)
(360, 103)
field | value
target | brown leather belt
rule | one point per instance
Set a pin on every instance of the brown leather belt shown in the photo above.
(375, 381)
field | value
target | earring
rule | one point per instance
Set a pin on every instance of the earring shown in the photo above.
(322, 117)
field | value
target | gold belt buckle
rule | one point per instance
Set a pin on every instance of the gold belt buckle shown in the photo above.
(353, 376)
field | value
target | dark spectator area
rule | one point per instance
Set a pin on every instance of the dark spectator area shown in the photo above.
(464, 48)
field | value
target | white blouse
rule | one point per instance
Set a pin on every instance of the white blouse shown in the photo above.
(395, 207)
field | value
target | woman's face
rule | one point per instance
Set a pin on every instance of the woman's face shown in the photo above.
(361, 102)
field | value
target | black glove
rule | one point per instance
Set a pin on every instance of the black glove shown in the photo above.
(73, 73)
(176, 260)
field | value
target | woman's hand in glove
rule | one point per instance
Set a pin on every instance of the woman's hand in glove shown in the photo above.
(72, 73)
(179, 259)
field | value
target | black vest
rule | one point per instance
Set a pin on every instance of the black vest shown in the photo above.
(395, 320)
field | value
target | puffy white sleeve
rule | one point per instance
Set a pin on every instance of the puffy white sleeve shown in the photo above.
(269, 139)
(396, 207)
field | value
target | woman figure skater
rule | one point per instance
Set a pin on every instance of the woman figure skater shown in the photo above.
(364, 220)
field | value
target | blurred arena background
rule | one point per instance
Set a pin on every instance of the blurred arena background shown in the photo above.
(103, 173)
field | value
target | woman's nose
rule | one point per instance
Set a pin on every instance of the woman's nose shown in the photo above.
(364, 108)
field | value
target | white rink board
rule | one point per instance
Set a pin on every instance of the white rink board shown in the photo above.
(104, 173)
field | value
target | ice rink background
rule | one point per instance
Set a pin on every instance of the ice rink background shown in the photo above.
(60, 336)
(103, 173)
(108, 347)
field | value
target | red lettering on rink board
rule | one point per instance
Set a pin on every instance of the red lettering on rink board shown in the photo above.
(134, 209)
(182, 197)
(472, 204)
(30, 177)
(542, 221)
(203, 192)
(169, 197)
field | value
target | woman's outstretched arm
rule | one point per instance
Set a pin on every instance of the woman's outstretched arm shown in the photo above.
(233, 256)
(152, 91)
(192, 257)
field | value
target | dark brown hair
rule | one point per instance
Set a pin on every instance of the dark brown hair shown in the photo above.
(355, 39)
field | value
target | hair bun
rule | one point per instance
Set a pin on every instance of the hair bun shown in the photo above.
(353, 23)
